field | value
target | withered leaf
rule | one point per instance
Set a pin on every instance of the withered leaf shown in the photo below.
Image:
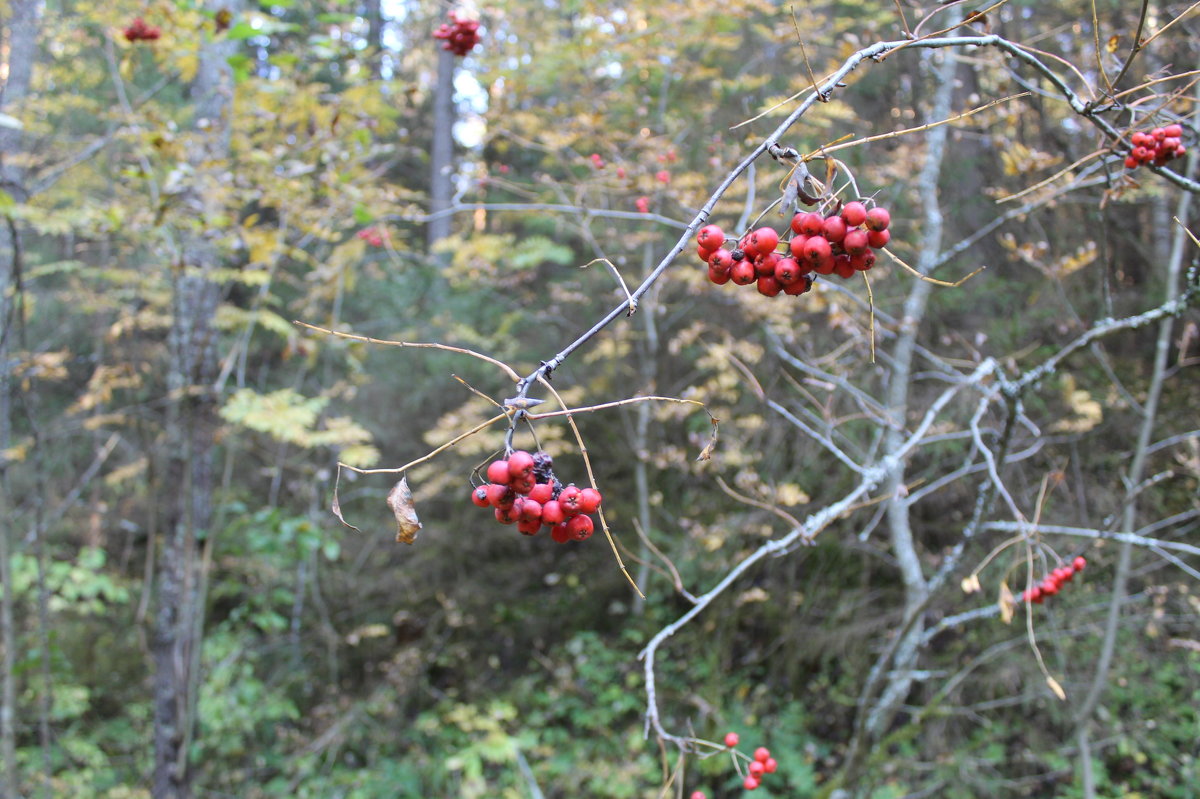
(1007, 603)
(706, 453)
(1113, 43)
(970, 584)
(400, 500)
(1056, 688)
(336, 506)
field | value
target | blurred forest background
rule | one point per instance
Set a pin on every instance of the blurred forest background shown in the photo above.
(184, 616)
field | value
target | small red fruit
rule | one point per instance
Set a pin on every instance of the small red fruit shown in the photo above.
(698, 795)
(842, 267)
(862, 261)
(507, 515)
(710, 237)
(621, 172)
(764, 265)
(568, 498)
(523, 484)
(854, 214)
(762, 754)
(1173, 131)
(531, 509)
(799, 287)
(731, 739)
(764, 240)
(770, 765)
(756, 769)
(552, 512)
(816, 250)
(718, 276)
(589, 500)
(581, 527)
(703, 253)
(662, 176)
(643, 205)
(796, 246)
(834, 229)
(787, 271)
(812, 224)
(520, 463)
(768, 286)
(559, 533)
(542, 493)
(1049, 587)
(529, 526)
(500, 496)
(498, 472)
(751, 783)
(479, 496)
(878, 219)
(1079, 563)
(743, 273)
(1131, 162)
(855, 242)
(722, 259)
(878, 239)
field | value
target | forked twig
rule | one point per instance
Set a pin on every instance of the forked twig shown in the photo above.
(933, 280)
(612, 268)
(757, 503)
(460, 437)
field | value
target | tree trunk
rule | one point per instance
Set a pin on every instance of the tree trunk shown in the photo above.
(20, 39)
(442, 152)
(190, 429)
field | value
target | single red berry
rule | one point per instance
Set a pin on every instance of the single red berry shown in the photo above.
(878, 219)
(1158, 134)
(878, 239)
(825, 265)
(1173, 131)
(703, 253)
(796, 246)
(552, 512)
(581, 527)
(770, 766)
(797, 222)
(542, 493)
(764, 240)
(1169, 144)
(751, 783)
(854, 214)
(816, 250)
(855, 242)
(1049, 587)
(768, 286)
(762, 754)
(662, 176)
(787, 271)
(731, 739)
(842, 267)
(523, 484)
(834, 229)
(764, 265)
(722, 259)
(497, 472)
(621, 172)
(1079, 563)
(1139, 139)
(1180, 151)
(718, 276)
(531, 509)
(1036, 595)
(559, 533)
(479, 496)
(812, 224)
(500, 496)
(1131, 162)
(529, 526)
(589, 500)
(569, 499)
(507, 515)
(755, 768)
(520, 463)
(698, 795)
(710, 237)
(743, 273)
(799, 287)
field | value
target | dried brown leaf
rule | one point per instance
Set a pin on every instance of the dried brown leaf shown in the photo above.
(1056, 688)
(1007, 603)
(336, 506)
(400, 500)
(970, 584)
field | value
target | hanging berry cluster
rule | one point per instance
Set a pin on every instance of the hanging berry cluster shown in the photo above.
(139, 31)
(1156, 147)
(461, 35)
(371, 236)
(523, 490)
(1053, 582)
(838, 244)
(759, 766)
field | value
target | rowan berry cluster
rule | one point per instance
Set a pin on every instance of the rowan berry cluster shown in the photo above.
(523, 490)
(840, 243)
(759, 766)
(139, 31)
(371, 236)
(1053, 582)
(1156, 147)
(461, 35)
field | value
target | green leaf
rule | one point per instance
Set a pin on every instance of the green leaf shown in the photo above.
(362, 216)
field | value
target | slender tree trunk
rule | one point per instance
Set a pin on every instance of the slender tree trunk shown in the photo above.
(374, 15)
(191, 426)
(20, 37)
(442, 152)
(1137, 470)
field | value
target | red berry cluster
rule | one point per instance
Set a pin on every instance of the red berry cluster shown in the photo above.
(1156, 147)
(139, 31)
(840, 244)
(461, 35)
(523, 490)
(761, 765)
(1053, 582)
(371, 236)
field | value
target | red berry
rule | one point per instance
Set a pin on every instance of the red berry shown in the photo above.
(787, 271)
(542, 493)
(743, 273)
(703, 253)
(507, 515)
(552, 512)
(722, 259)
(1158, 134)
(1036, 595)
(755, 768)
(842, 267)
(569, 499)
(797, 222)
(581, 527)
(751, 783)
(500, 496)
(826, 265)
(768, 286)
(718, 276)
(1180, 151)
(710, 237)
(878, 219)
(589, 500)
(523, 484)
(855, 242)
(796, 246)
(731, 739)
(862, 261)
(643, 205)
(559, 533)
(761, 754)
(479, 496)
(520, 463)
(878, 239)
(662, 176)
(764, 265)
(764, 240)
(854, 213)
(621, 172)
(1173, 131)
(1049, 587)
(770, 765)
(531, 509)
(816, 250)
(529, 526)
(834, 229)
(1131, 162)
(812, 224)
(799, 287)
(1079, 563)
(1139, 139)
(497, 472)
(698, 795)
